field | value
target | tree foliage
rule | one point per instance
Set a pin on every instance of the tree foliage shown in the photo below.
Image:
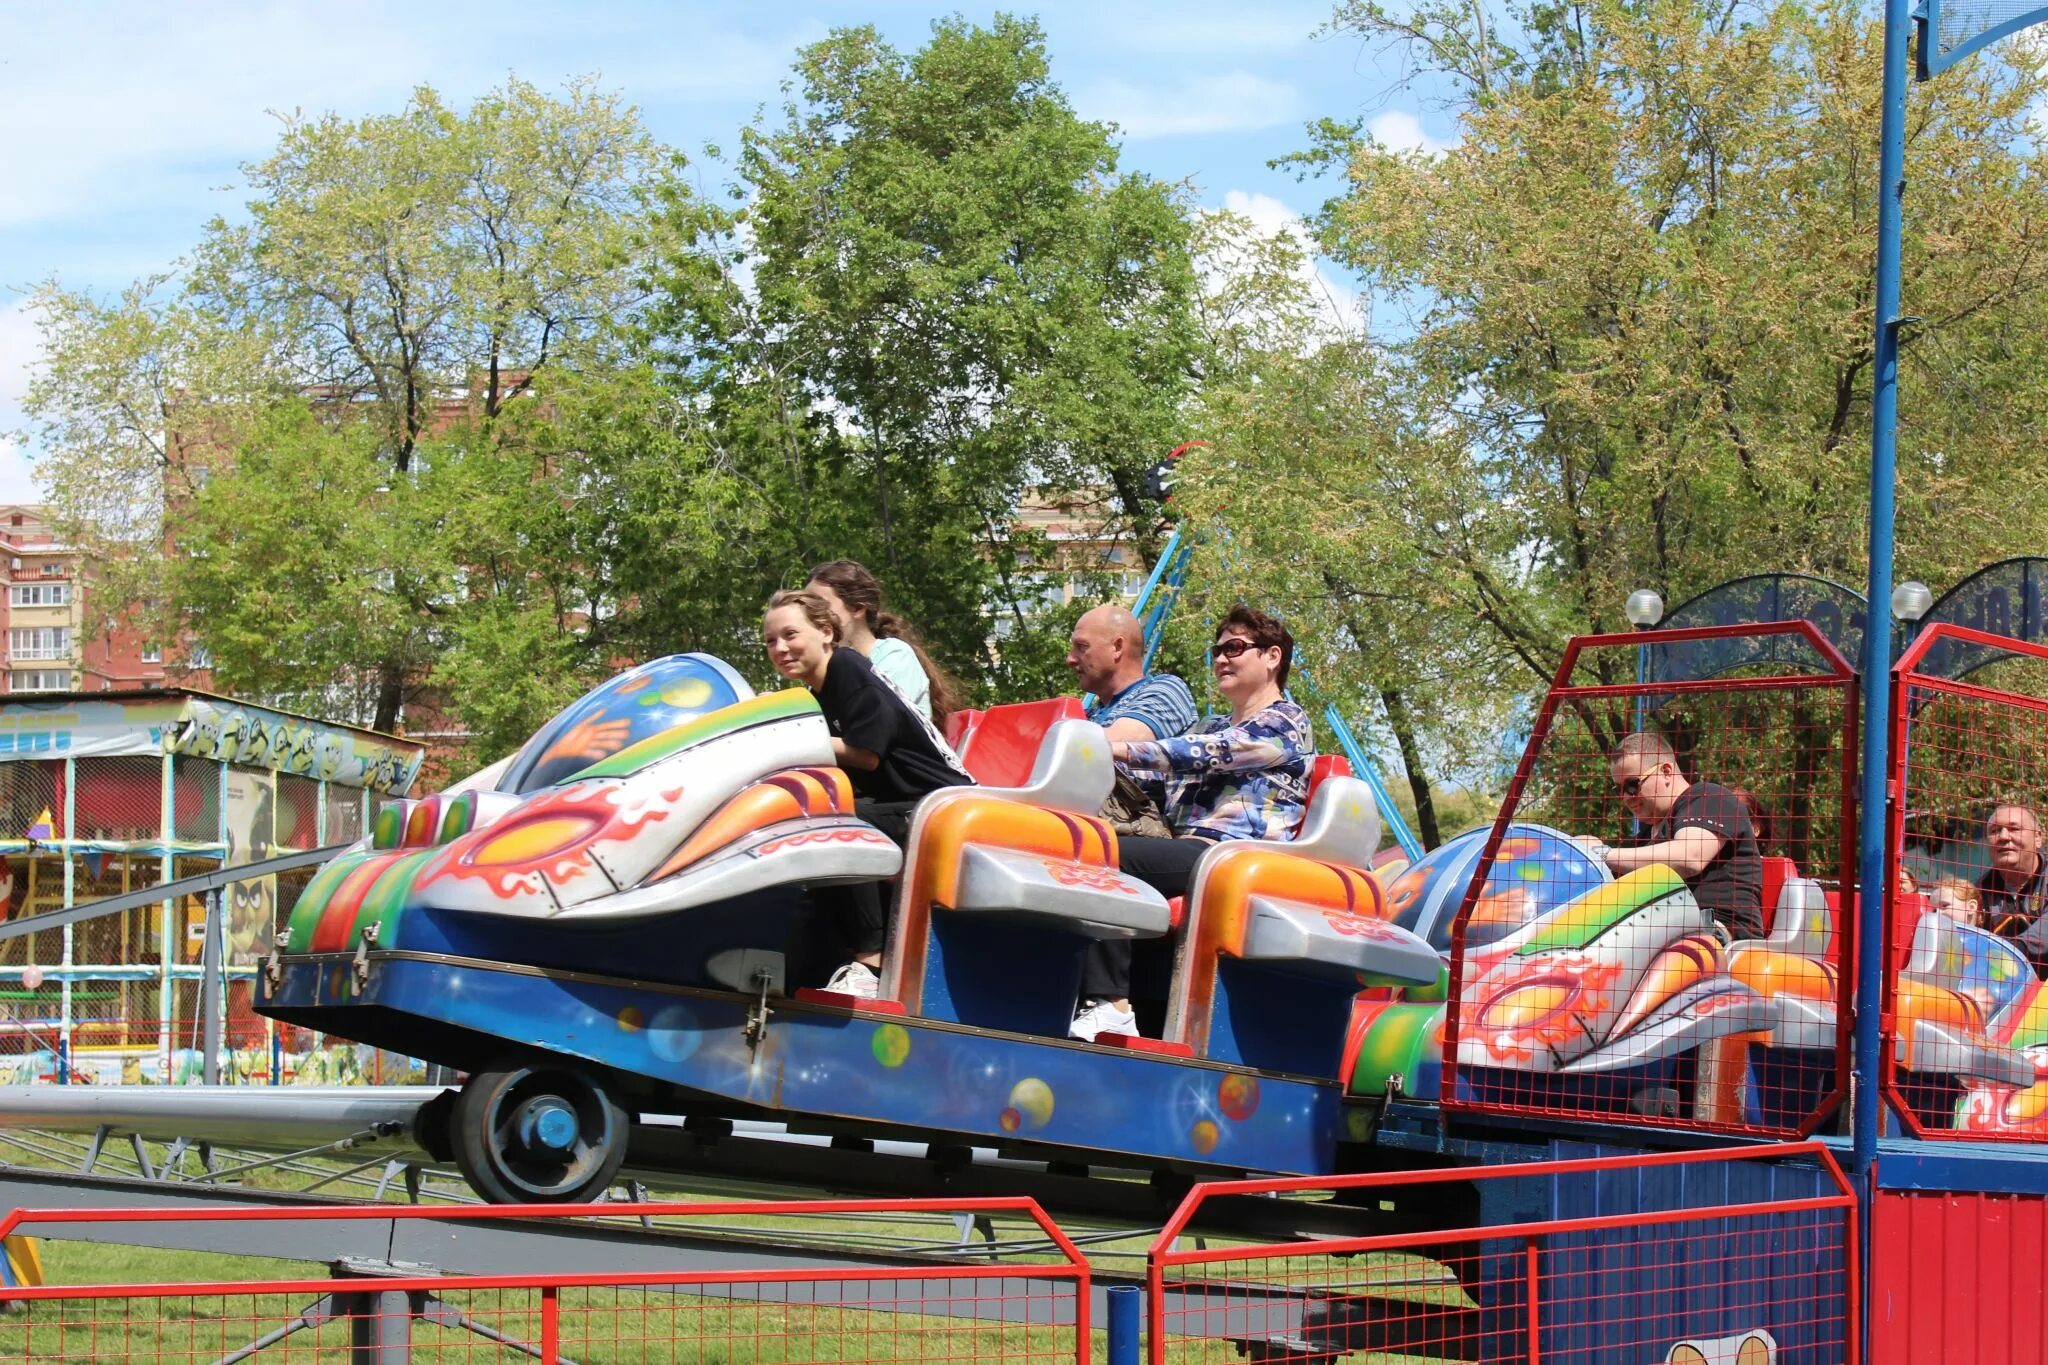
(1629, 329)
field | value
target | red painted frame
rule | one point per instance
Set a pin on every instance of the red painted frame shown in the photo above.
(1073, 1267)
(1162, 1255)
(1904, 682)
(1841, 676)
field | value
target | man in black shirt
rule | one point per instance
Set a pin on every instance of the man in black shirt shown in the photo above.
(1700, 830)
(2012, 891)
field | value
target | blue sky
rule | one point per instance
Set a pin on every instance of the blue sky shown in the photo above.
(127, 122)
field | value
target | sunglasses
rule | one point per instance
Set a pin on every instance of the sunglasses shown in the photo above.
(1230, 649)
(1633, 786)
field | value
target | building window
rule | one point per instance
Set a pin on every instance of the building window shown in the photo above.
(39, 642)
(39, 680)
(54, 569)
(152, 654)
(199, 656)
(39, 595)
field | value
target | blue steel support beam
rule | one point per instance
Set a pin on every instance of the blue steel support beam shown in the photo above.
(1873, 890)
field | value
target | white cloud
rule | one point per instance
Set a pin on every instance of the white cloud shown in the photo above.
(131, 105)
(1227, 102)
(17, 476)
(1400, 131)
(1339, 307)
(18, 348)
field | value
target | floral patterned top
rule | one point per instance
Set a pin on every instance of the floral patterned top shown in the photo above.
(1235, 781)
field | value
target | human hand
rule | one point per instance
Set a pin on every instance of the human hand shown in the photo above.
(1595, 846)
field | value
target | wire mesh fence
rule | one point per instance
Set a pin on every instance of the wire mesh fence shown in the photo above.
(1736, 1258)
(1966, 935)
(760, 1304)
(1658, 924)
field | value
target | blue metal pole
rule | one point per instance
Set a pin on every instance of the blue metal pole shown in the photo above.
(1123, 1324)
(1872, 891)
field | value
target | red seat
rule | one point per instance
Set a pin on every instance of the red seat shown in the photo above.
(1777, 871)
(960, 725)
(1002, 746)
(1324, 767)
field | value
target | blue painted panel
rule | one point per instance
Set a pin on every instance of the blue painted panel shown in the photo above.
(894, 1070)
(1631, 1294)
(1017, 978)
(1964, 1167)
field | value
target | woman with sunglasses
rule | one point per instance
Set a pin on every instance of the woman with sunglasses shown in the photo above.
(1241, 776)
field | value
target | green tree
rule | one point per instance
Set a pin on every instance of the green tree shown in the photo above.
(399, 281)
(936, 296)
(1631, 339)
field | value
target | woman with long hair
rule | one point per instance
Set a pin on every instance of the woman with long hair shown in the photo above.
(891, 753)
(855, 597)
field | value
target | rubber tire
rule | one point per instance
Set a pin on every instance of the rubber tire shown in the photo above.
(495, 1175)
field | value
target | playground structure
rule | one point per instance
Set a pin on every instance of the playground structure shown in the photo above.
(105, 795)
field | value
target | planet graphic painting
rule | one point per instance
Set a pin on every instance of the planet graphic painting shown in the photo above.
(1031, 1098)
(891, 1045)
(1010, 1120)
(1204, 1135)
(631, 1020)
(1238, 1097)
(673, 1034)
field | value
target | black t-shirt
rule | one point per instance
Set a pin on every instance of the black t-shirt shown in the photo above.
(868, 713)
(2017, 914)
(1731, 887)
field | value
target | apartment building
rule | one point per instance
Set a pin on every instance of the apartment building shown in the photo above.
(48, 649)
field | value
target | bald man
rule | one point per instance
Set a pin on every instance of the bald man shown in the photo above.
(2012, 892)
(1107, 654)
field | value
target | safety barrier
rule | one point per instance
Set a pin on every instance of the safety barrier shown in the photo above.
(1690, 1258)
(1964, 1005)
(1590, 982)
(796, 1285)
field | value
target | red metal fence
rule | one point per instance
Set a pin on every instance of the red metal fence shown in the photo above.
(1735, 1258)
(1701, 997)
(922, 1307)
(1966, 1017)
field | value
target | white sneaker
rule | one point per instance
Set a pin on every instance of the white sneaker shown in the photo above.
(857, 979)
(1102, 1016)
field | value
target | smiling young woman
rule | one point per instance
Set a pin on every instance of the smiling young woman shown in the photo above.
(891, 754)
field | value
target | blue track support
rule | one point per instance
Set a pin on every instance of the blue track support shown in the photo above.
(1877, 638)
(1364, 767)
(1123, 1324)
(1873, 889)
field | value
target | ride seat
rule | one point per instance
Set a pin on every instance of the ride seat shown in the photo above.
(960, 725)
(1285, 932)
(1001, 879)
(1325, 767)
(1001, 747)
(1776, 872)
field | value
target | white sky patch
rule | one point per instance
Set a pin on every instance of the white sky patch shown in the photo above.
(167, 93)
(19, 346)
(1225, 102)
(1400, 131)
(17, 475)
(1338, 305)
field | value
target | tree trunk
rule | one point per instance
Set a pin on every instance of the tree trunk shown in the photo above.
(390, 696)
(1402, 722)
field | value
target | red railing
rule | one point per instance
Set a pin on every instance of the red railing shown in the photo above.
(928, 1307)
(1571, 1032)
(1690, 1261)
